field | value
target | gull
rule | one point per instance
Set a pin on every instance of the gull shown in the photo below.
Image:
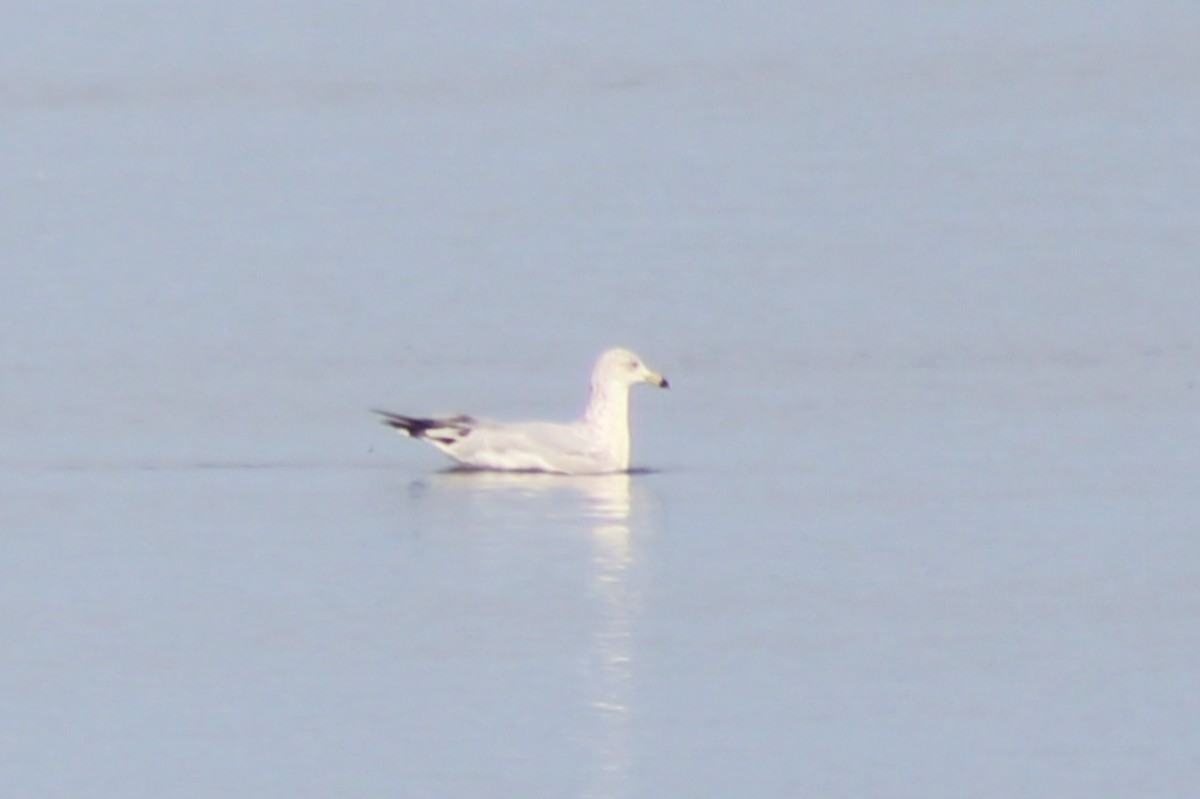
(598, 443)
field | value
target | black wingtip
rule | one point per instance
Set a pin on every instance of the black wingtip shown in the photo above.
(409, 425)
(417, 427)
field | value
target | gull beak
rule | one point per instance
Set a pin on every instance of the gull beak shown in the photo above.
(655, 379)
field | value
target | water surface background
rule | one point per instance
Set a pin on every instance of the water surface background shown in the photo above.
(919, 515)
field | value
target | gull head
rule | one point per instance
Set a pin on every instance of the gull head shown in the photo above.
(625, 368)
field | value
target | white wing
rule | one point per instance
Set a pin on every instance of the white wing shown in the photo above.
(523, 446)
(535, 446)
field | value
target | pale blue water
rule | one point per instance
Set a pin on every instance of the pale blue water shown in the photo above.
(917, 517)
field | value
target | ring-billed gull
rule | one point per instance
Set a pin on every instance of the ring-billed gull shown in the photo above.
(596, 444)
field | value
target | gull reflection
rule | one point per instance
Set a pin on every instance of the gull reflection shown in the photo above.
(611, 657)
(604, 506)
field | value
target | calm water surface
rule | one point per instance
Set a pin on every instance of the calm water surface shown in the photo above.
(917, 517)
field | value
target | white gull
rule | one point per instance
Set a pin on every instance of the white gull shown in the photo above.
(596, 444)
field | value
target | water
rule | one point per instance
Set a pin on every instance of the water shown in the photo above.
(917, 517)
